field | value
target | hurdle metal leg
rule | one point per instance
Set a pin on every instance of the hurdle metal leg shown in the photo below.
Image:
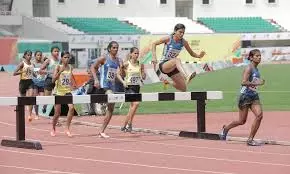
(200, 115)
(20, 119)
(201, 134)
(20, 141)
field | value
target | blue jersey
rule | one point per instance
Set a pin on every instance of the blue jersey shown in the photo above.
(108, 73)
(38, 79)
(254, 77)
(172, 49)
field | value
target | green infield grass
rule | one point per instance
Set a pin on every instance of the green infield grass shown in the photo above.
(274, 95)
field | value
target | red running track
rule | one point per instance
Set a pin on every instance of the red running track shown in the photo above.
(132, 153)
(140, 153)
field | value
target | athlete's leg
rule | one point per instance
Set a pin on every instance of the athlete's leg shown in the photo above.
(258, 112)
(108, 116)
(129, 118)
(178, 82)
(173, 64)
(29, 93)
(57, 111)
(36, 93)
(70, 115)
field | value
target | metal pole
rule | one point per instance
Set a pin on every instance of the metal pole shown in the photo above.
(200, 115)
(20, 122)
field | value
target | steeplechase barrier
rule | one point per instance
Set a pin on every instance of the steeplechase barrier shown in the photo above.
(20, 103)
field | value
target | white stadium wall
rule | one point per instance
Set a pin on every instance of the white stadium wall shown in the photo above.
(111, 8)
(36, 30)
(22, 7)
(233, 8)
(11, 20)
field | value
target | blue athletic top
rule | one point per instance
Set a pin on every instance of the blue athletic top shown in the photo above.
(254, 76)
(172, 49)
(108, 73)
(38, 79)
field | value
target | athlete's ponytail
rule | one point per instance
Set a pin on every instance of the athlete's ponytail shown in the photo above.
(128, 57)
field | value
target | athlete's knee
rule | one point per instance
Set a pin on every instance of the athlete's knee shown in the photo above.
(183, 88)
(57, 113)
(136, 104)
(177, 60)
(242, 122)
(57, 110)
(71, 108)
(110, 107)
(259, 116)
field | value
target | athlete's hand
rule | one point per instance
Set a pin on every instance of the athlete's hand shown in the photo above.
(73, 87)
(143, 76)
(42, 72)
(97, 84)
(154, 62)
(125, 85)
(262, 82)
(201, 54)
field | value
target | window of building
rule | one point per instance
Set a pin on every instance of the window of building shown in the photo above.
(205, 1)
(163, 1)
(101, 1)
(122, 2)
(272, 1)
(249, 1)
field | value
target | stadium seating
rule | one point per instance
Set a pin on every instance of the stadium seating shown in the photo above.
(239, 25)
(57, 25)
(165, 25)
(102, 26)
(281, 23)
(5, 33)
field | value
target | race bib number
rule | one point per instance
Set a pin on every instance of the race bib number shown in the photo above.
(255, 80)
(36, 72)
(65, 80)
(135, 79)
(111, 75)
(38, 75)
(252, 88)
(243, 89)
(172, 53)
(29, 72)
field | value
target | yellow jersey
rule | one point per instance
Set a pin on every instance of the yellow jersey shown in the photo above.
(63, 84)
(133, 74)
(27, 71)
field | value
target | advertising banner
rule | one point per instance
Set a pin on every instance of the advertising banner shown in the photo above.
(216, 46)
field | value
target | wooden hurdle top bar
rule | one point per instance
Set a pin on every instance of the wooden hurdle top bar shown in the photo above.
(111, 98)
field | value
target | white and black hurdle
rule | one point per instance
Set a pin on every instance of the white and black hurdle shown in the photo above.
(20, 103)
